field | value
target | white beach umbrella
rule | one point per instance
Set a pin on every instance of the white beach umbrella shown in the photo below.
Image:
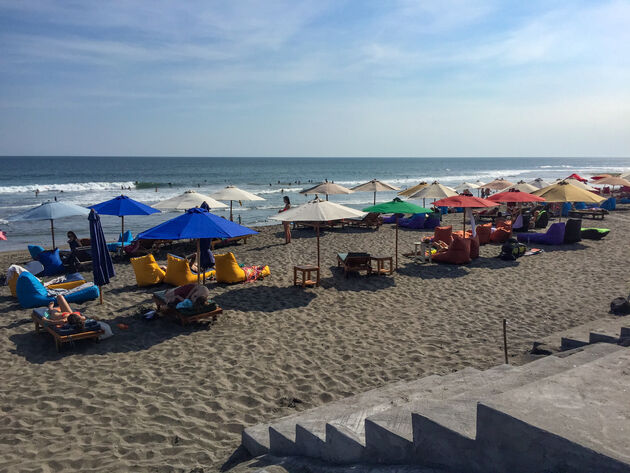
(373, 186)
(318, 211)
(434, 191)
(232, 193)
(188, 200)
(580, 184)
(466, 185)
(51, 211)
(613, 181)
(498, 184)
(625, 175)
(327, 188)
(538, 183)
(522, 186)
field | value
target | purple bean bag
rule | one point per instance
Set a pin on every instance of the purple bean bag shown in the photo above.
(432, 221)
(553, 236)
(415, 222)
(392, 218)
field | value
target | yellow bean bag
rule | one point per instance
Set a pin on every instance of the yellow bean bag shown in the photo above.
(147, 270)
(178, 272)
(228, 270)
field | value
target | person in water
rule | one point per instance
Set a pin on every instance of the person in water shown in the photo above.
(286, 225)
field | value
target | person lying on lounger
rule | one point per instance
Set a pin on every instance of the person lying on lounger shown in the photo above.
(196, 293)
(62, 313)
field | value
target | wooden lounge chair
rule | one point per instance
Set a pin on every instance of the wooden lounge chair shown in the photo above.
(59, 336)
(354, 262)
(186, 316)
(371, 220)
(219, 242)
(595, 214)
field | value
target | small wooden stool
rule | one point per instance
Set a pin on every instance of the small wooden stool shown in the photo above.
(380, 264)
(306, 270)
(421, 255)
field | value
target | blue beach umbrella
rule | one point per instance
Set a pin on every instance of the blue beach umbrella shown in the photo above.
(102, 266)
(50, 211)
(196, 224)
(121, 206)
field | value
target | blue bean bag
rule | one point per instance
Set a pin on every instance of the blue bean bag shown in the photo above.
(609, 204)
(32, 293)
(553, 236)
(416, 221)
(126, 237)
(432, 221)
(35, 250)
(51, 261)
(566, 208)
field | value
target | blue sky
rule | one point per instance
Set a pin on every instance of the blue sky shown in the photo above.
(315, 78)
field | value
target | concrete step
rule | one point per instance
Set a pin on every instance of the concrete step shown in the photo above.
(345, 435)
(577, 421)
(284, 432)
(429, 431)
(578, 336)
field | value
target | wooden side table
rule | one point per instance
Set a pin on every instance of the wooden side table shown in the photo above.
(306, 270)
(380, 264)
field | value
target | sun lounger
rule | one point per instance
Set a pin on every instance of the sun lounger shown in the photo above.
(63, 333)
(371, 220)
(220, 242)
(354, 262)
(595, 214)
(186, 316)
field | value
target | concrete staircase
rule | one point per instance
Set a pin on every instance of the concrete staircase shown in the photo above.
(558, 413)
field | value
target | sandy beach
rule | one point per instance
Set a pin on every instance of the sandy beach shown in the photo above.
(159, 397)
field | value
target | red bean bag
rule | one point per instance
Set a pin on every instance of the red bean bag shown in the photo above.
(444, 234)
(483, 233)
(458, 252)
(474, 247)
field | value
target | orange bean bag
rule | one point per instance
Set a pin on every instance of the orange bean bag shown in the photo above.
(458, 252)
(474, 247)
(444, 234)
(502, 232)
(483, 233)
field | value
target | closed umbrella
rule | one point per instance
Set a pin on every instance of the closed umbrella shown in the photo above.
(51, 211)
(577, 177)
(232, 193)
(412, 190)
(434, 191)
(188, 200)
(318, 211)
(397, 206)
(327, 188)
(373, 186)
(465, 201)
(102, 266)
(121, 206)
(196, 224)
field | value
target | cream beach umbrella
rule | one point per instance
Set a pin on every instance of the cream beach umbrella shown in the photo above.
(625, 175)
(580, 184)
(613, 181)
(373, 186)
(522, 186)
(434, 191)
(233, 193)
(318, 211)
(327, 188)
(466, 185)
(538, 183)
(412, 190)
(188, 200)
(498, 184)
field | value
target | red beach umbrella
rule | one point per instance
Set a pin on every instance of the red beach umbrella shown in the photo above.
(515, 196)
(465, 201)
(577, 178)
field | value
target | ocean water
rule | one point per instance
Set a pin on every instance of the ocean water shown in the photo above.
(90, 180)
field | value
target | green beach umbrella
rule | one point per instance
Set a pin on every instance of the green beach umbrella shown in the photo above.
(397, 206)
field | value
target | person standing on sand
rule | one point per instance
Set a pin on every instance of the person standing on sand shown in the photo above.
(286, 225)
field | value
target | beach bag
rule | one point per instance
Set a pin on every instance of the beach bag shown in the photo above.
(512, 249)
(620, 306)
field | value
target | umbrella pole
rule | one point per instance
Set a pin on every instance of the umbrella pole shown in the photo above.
(465, 222)
(318, 245)
(374, 197)
(231, 219)
(396, 241)
(326, 197)
(198, 260)
(100, 294)
(52, 232)
(122, 234)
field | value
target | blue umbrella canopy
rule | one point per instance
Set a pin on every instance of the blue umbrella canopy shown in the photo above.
(194, 224)
(102, 266)
(50, 211)
(123, 205)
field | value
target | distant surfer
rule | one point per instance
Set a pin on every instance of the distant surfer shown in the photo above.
(36, 192)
